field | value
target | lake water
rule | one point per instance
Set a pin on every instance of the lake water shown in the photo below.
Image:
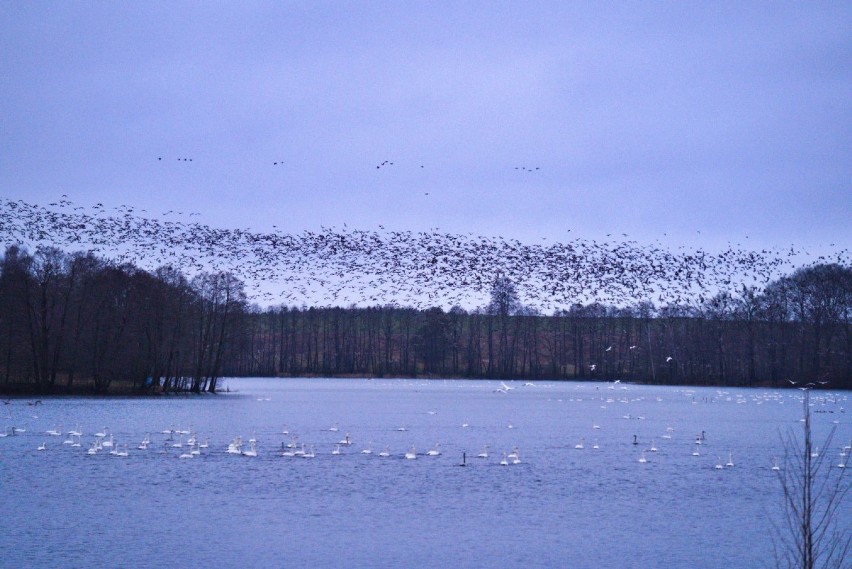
(559, 507)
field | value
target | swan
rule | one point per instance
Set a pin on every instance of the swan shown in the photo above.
(346, 440)
(642, 458)
(484, 453)
(595, 446)
(435, 450)
(335, 451)
(730, 460)
(513, 454)
(235, 446)
(385, 452)
(122, 453)
(109, 442)
(54, 432)
(310, 453)
(334, 428)
(653, 446)
(411, 455)
(775, 464)
(581, 444)
(252, 450)
(695, 452)
(719, 463)
(505, 461)
(42, 446)
(369, 449)
(103, 433)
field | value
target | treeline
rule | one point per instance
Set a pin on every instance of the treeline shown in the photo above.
(798, 329)
(77, 323)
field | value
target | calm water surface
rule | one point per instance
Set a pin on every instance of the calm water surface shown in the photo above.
(559, 507)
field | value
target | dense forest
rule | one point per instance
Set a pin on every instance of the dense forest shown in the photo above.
(76, 323)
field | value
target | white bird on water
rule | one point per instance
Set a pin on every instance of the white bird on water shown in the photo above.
(411, 454)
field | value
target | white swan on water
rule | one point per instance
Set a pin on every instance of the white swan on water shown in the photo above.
(252, 451)
(411, 454)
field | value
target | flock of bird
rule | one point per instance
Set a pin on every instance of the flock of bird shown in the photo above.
(330, 442)
(344, 266)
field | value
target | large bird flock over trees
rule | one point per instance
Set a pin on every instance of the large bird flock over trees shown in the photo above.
(90, 296)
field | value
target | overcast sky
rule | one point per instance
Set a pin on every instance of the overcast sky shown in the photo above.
(654, 119)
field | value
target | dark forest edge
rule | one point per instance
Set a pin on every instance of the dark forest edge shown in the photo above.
(79, 324)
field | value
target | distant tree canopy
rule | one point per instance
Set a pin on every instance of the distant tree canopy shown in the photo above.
(76, 320)
(78, 323)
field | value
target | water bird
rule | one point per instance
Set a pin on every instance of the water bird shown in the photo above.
(411, 454)
(42, 446)
(775, 464)
(484, 453)
(252, 451)
(435, 451)
(730, 460)
(505, 460)
(642, 458)
(581, 444)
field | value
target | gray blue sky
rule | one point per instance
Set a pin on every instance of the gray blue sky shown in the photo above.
(655, 119)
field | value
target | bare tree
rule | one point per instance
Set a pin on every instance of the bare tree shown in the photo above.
(812, 533)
